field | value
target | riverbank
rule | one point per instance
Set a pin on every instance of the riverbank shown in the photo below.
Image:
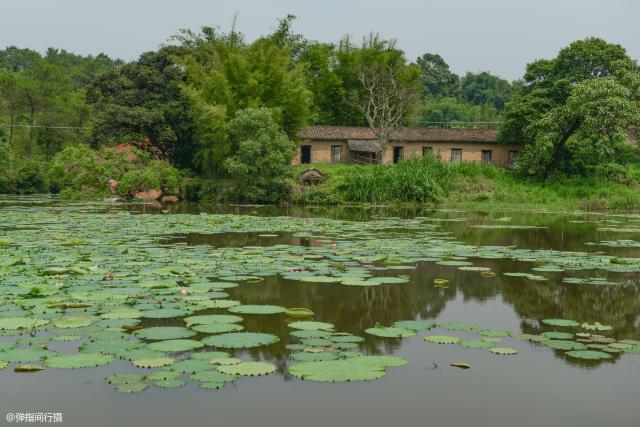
(466, 184)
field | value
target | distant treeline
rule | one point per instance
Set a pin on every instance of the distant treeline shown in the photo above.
(215, 105)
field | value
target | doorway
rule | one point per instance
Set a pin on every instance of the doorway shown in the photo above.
(305, 154)
(398, 154)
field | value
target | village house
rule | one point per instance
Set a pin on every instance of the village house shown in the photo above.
(336, 144)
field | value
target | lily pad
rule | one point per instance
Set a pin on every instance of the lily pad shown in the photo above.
(175, 345)
(306, 325)
(389, 332)
(70, 361)
(132, 387)
(240, 340)
(588, 354)
(561, 322)
(298, 312)
(164, 333)
(504, 351)
(442, 339)
(156, 362)
(414, 325)
(248, 369)
(257, 309)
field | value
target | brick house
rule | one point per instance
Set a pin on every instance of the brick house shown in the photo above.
(336, 144)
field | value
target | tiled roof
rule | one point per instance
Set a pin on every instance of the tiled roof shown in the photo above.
(405, 134)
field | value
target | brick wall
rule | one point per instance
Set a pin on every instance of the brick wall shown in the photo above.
(471, 152)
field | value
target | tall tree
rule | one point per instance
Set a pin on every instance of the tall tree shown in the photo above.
(436, 77)
(562, 104)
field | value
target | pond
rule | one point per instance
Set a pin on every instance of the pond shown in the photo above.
(152, 317)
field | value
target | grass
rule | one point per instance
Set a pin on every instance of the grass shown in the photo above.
(430, 181)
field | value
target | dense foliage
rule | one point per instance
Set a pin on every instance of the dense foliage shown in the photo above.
(227, 110)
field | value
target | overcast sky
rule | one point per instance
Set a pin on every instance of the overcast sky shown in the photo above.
(500, 36)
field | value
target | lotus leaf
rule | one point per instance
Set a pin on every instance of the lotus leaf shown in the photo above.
(240, 340)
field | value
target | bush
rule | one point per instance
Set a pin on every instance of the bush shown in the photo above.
(19, 175)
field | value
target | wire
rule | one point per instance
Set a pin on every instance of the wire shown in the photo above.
(42, 126)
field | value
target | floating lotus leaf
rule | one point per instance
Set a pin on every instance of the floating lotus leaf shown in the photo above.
(78, 360)
(24, 368)
(164, 313)
(476, 343)
(298, 312)
(3, 364)
(385, 361)
(212, 385)
(220, 303)
(455, 326)
(310, 334)
(224, 361)
(240, 340)
(504, 351)
(257, 309)
(557, 335)
(305, 356)
(156, 362)
(212, 318)
(441, 283)
(250, 369)
(414, 325)
(306, 325)
(621, 346)
(19, 355)
(353, 369)
(169, 383)
(190, 366)
(316, 342)
(564, 345)
(7, 345)
(386, 332)
(164, 333)
(347, 338)
(588, 354)
(163, 375)
(125, 378)
(78, 321)
(217, 328)
(597, 326)
(132, 387)
(561, 322)
(14, 323)
(442, 339)
(213, 376)
(222, 285)
(208, 355)
(124, 313)
(175, 345)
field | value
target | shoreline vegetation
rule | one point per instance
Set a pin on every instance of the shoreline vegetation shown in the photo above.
(213, 117)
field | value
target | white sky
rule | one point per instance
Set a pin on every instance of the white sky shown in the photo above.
(500, 36)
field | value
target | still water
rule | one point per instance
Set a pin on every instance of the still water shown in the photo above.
(537, 387)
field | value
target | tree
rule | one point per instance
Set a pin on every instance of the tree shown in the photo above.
(436, 77)
(260, 166)
(389, 92)
(447, 111)
(10, 100)
(485, 88)
(545, 117)
(143, 103)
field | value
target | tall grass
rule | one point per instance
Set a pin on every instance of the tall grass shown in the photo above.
(422, 180)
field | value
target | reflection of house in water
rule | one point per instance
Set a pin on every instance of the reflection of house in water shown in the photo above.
(337, 144)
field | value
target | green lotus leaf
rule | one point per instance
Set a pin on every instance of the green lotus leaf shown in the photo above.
(212, 318)
(15, 323)
(494, 333)
(305, 356)
(387, 332)
(175, 345)
(456, 326)
(208, 355)
(156, 362)
(561, 322)
(359, 368)
(223, 361)
(219, 303)
(250, 369)
(164, 375)
(531, 337)
(564, 345)
(347, 338)
(124, 313)
(81, 360)
(190, 366)
(588, 354)
(597, 326)
(125, 378)
(217, 328)
(20, 355)
(298, 312)
(504, 351)
(414, 325)
(164, 313)
(307, 325)
(213, 376)
(3, 364)
(132, 387)
(164, 333)
(240, 340)
(257, 309)
(442, 339)
(557, 335)
(310, 334)
(316, 342)
(77, 321)
(24, 368)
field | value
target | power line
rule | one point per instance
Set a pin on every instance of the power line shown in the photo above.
(42, 126)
